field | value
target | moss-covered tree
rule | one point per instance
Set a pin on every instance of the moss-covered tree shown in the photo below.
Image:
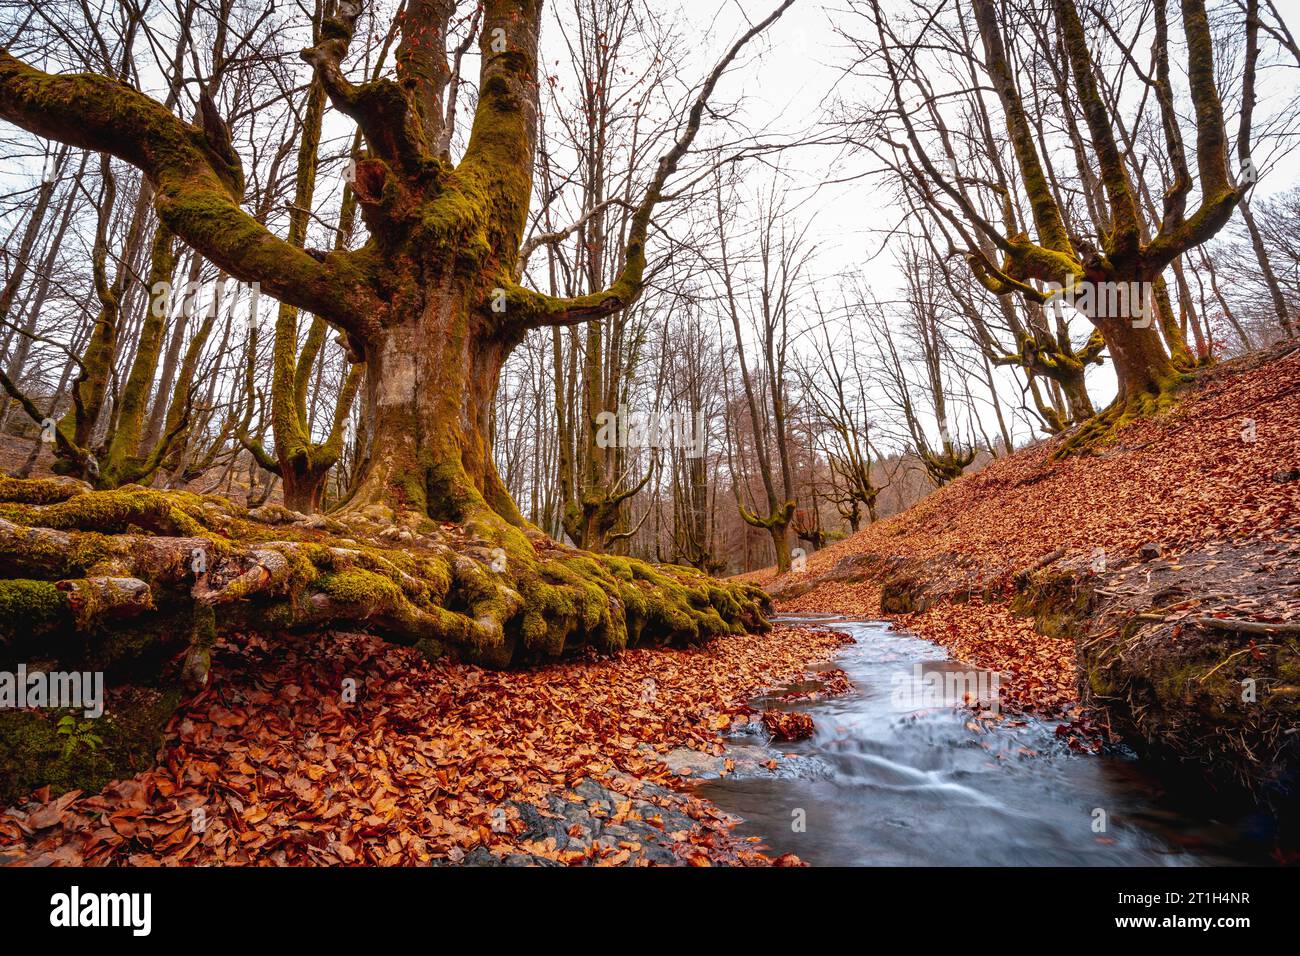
(302, 463)
(430, 303)
(1124, 250)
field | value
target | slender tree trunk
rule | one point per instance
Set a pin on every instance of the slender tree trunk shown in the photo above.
(1274, 287)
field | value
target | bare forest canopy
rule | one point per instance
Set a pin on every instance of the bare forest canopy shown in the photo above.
(712, 285)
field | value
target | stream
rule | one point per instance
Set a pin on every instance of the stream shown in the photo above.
(887, 779)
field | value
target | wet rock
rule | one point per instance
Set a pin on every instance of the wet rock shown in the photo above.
(196, 667)
(1150, 551)
(481, 856)
(692, 763)
(903, 594)
(1174, 691)
(596, 821)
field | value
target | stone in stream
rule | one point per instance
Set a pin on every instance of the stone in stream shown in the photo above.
(693, 763)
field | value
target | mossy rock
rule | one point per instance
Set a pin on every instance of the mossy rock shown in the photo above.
(1060, 602)
(903, 595)
(30, 607)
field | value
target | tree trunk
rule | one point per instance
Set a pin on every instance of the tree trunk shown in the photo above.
(430, 303)
(1266, 270)
(1142, 366)
(303, 487)
(781, 545)
(429, 394)
(1077, 401)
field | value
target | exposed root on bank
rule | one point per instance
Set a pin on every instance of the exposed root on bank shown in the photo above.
(79, 565)
(1103, 427)
(140, 584)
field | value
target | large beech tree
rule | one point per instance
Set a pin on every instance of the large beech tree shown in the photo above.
(430, 302)
(431, 305)
(1124, 247)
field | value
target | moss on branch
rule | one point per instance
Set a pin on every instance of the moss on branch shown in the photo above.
(198, 186)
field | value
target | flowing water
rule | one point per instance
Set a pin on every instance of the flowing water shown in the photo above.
(887, 780)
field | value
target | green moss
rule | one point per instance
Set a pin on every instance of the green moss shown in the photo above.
(365, 588)
(36, 491)
(27, 606)
(204, 631)
(546, 605)
(1058, 601)
(1103, 428)
(430, 649)
(121, 646)
(34, 754)
(111, 512)
(279, 616)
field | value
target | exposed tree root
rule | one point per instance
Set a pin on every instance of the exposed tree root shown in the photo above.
(1102, 427)
(139, 583)
(82, 569)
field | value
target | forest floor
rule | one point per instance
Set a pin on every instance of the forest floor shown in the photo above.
(277, 763)
(1130, 577)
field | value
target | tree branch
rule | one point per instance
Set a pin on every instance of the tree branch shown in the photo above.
(541, 310)
(197, 191)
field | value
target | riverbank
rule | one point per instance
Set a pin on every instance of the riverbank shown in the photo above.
(1156, 580)
(347, 750)
(1153, 582)
(898, 773)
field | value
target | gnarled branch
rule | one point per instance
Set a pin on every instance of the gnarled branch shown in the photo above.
(197, 188)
